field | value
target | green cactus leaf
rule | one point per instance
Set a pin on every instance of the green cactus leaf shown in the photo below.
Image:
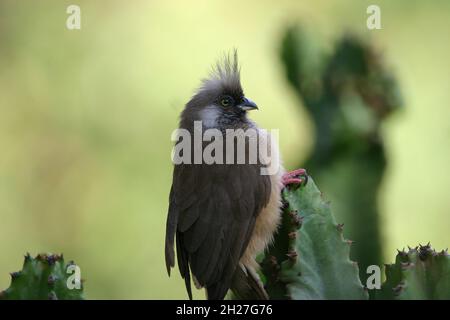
(309, 258)
(419, 274)
(44, 277)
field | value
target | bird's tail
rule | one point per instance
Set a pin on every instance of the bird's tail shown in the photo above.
(246, 285)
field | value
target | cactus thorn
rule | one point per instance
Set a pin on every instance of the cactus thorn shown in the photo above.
(406, 265)
(296, 220)
(397, 289)
(51, 259)
(340, 227)
(292, 235)
(15, 275)
(293, 212)
(52, 296)
(274, 262)
(51, 280)
(423, 247)
(292, 255)
(424, 252)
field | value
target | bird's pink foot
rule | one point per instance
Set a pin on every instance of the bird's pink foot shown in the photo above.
(296, 177)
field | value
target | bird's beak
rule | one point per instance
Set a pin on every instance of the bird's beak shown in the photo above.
(247, 105)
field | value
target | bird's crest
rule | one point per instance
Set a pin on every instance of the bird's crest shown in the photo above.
(225, 76)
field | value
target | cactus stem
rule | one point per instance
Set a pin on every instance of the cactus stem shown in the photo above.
(294, 256)
(41, 278)
(415, 275)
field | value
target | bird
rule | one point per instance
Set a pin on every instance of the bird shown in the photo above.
(220, 215)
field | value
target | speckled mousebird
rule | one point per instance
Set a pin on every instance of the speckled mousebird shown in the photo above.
(222, 215)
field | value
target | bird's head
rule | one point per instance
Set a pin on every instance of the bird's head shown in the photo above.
(220, 97)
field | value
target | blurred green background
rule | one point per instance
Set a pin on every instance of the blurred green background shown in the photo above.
(86, 117)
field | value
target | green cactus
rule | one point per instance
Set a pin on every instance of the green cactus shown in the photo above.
(348, 92)
(309, 258)
(42, 278)
(420, 273)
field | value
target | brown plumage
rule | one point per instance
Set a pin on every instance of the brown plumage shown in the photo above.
(221, 215)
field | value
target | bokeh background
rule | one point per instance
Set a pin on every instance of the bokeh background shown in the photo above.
(86, 118)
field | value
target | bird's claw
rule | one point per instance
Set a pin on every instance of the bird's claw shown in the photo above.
(297, 177)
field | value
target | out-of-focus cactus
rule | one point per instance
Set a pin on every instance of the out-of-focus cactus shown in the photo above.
(309, 258)
(348, 93)
(42, 278)
(420, 274)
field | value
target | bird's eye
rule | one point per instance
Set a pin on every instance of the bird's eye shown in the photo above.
(226, 101)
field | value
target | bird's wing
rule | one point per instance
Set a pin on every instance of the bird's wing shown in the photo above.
(212, 211)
